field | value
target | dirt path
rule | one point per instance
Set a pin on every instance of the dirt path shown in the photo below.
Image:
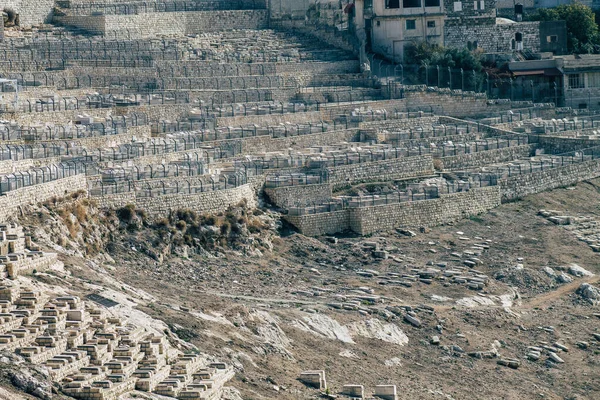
(549, 297)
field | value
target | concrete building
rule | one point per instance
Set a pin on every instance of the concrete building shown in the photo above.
(575, 79)
(392, 24)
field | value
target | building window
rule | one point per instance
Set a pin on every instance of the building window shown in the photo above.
(431, 24)
(552, 39)
(576, 81)
(411, 3)
(432, 3)
(392, 3)
(457, 6)
(479, 5)
(411, 24)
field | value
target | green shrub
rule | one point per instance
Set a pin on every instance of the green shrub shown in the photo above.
(126, 213)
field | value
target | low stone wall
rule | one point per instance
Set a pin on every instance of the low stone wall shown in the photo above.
(404, 123)
(95, 24)
(447, 208)
(519, 186)
(260, 144)
(55, 117)
(96, 142)
(299, 196)
(9, 166)
(387, 170)
(320, 67)
(483, 158)
(438, 141)
(168, 23)
(270, 119)
(205, 202)
(368, 220)
(321, 224)
(560, 145)
(325, 34)
(11, 201)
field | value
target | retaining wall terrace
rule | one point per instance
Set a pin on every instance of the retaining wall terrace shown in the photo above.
(265, 143)
(322, 223)
(299, 196)
(55, 117)
(447, 208)
(477, 127)
(519, 186)
(368, 220)
(270, 119)
(260, 144)
(386, 170)
(483, 158)
(9, 166)
(452, 104)
(456, 103)
(318, 67)
(31, 12)
(329, 35)
(560, 144)
(101, 141)
(202, 68)
(11, 201)
(205, 202)
(436, 141)
(168, 23)
(404, 123)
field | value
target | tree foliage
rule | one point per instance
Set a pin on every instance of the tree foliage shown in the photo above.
(432, 54)
(582, 30)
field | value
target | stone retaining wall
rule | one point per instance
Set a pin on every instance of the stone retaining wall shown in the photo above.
(261, 144)
(322, 223)
(299, 196)
(368, 220)
(205, 202)
(386, 170)
(519, 186)
(168, 23)
(9, 166)
(560, 145)
(483, 158)
(329, 35)
(270, 119)
(447, 208)
(31, 12)
(11, 201)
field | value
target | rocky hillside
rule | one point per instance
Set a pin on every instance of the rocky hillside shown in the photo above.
(407, 304)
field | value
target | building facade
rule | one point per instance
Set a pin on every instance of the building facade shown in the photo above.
(393, 24)
(574, 80)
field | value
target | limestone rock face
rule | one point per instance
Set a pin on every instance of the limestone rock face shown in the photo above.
(589, 293)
